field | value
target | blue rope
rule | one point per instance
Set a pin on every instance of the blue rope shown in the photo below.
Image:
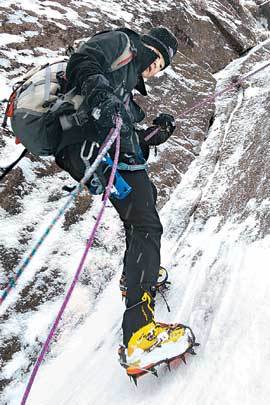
(89, 172)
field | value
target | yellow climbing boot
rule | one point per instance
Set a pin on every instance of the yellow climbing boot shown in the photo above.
(156, 343)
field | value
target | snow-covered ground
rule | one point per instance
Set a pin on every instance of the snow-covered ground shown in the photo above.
(221, 296)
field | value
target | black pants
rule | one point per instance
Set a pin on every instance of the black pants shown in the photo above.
(143, 232)
(142, 257)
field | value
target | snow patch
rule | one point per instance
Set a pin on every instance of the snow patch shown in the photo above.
(6, 39)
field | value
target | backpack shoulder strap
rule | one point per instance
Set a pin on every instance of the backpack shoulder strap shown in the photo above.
(126, 56)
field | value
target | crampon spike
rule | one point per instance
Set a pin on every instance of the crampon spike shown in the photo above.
(169, 365)
(154, 372)
(191, 351)
(183, 358)
(134, 379)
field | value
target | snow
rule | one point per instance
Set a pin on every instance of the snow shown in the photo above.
(13, 366)
(26, 58)
(31, 33)
(18, 16)
(5, 90)
(112, 8)
(222, 303)
(35, 6)
(6, 39)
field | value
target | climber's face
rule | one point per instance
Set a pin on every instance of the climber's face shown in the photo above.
(156, 66)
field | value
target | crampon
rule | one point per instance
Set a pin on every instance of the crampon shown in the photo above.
(138, 369)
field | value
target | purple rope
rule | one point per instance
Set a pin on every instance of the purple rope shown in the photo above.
(90, 241)
(208, 99)
(110, 139)
(154, 132)
(236, 83)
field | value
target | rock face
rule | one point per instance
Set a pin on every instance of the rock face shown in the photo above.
(238, 189)
(211, 33)
(227, 179)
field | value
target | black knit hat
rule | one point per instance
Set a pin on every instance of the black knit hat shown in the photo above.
(163, 40)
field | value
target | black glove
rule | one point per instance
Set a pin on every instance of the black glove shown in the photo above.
(105, 114)
(95, 90)
(103, 105)
(165, 122)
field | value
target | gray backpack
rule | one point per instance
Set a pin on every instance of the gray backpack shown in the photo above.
(31, 120)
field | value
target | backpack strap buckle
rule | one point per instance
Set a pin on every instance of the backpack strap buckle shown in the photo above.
(77, 119)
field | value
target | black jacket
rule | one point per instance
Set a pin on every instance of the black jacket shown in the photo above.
(92, 62)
